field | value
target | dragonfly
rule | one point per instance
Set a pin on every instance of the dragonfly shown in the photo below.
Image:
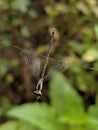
(35, 64)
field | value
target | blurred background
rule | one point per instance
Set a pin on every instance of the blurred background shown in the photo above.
(28, 24)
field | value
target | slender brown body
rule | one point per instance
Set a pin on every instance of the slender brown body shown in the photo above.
(40, 82)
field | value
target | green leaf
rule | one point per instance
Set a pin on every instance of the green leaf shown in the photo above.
(79, 48)
(21, 5)
(6, 41)
(16, 21)
(16, 125)
(75, 120)
(51, 11)
(93, 111)
(3, 4)
(96, 31)
(64, 98)
(40, 115)
(25, 32)
(33, 14)
(90, 55)
(5, 103)
(9, 78)
(4, 66)
(11, 125)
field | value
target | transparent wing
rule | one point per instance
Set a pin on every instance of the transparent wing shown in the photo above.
(31, 60)
(36, 63)
(60, 66)
(64, 65)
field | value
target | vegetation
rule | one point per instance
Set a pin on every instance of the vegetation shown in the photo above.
(69, 101)
(66, 111)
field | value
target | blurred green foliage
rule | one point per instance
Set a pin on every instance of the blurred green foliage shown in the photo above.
(26, 23)
(65, 112)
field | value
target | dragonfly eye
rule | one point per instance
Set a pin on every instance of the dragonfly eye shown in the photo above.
(53, 31)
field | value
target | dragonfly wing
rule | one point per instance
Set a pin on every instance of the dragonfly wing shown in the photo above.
(60, 66)
(32, 61)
